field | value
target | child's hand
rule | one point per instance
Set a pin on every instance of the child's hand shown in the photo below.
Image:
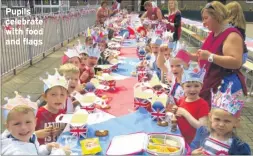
(84, 76)
(174, 109)
(56, 131)
(198, 151)
(52, 145)
(67, 150)
(43, 133)
(180, 111)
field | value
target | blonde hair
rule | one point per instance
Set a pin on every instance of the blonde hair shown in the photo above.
(209, 125)
(165, 47)
(175, 4)
(236, 15)
(217, 11)
(24, 109)
(68, 68)
(147, 3)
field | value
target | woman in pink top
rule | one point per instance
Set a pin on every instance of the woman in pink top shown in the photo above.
(102, 13)
(221, 53)
(152, 13)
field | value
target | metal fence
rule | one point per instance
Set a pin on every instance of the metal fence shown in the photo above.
(19, 48)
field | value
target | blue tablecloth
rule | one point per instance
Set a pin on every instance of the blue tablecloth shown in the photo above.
(139, 121)
(128, 66)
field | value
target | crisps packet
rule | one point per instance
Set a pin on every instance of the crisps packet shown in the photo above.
(90, 146)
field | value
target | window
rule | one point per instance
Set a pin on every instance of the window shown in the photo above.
(249, 1)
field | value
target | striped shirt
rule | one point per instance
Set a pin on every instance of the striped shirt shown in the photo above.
(213, 146)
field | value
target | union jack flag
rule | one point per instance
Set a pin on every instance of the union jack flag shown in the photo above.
(158, 114)
(111, 84)
(142, 76)
(115, 67)
(89, 109)
(109, 70)
(138, 102)
(79, 131)
(99, 92)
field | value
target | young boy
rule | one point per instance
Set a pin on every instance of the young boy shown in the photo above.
(93, 56)
(19, 138)
(155, 48)
(55, 95)
(191, 110)
(72, 74)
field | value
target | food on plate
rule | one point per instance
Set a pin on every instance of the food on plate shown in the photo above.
(101, 133)
(162, 123)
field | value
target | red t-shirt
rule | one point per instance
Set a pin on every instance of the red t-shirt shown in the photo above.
(46, 119)
(197, 109)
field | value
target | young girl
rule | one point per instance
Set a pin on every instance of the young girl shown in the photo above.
(55, 95)
(236, 18)
(219, 138)
(71, 56)
(191, 110)
(155, 48)
(71, 73)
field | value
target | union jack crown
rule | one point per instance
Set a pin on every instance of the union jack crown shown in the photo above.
(227, 101)
(193, 74)
(93, 52)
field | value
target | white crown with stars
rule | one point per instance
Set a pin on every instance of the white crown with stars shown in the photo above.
(193, 74)
(93, 51)
(19, 100)
(227, 101)
(55, 80)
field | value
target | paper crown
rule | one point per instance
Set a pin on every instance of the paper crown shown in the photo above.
(156, 40)
(80, 48)
(227, 101)
(71, 53)
(93, 52)
(167, 36)
(55, 80)
(19, 100)
(193, 74)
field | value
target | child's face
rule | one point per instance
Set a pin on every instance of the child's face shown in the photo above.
(89, 42)
(56, 97)
(22, 125)
(222, 122)
(84, 62)
(166, 51)
(192, 90)
(75, 61)
(176, 67)
(102, 46)
(92, 61)
(73, 79)
(155, 49)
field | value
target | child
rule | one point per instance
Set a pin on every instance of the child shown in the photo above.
(155, 48)
(236, 18)
(72, 56)
(191, 110)
(55, 95)
(163, 60)
(19, 138)
(71, 73)
(93, 56)
(219, 138)
(88, 41)
(83, 59)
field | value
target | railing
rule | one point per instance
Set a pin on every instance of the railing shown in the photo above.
(55, 29)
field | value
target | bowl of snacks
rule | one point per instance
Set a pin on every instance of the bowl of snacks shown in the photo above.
(162, 144)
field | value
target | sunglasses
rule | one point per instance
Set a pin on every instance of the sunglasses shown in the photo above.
(209, 6)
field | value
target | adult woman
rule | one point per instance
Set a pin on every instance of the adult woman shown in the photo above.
(152, 13)
(221, 53)
(102, 13)
(174, 19)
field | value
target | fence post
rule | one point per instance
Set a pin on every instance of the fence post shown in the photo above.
(29, 46)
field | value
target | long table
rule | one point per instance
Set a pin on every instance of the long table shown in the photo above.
(126, 120)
